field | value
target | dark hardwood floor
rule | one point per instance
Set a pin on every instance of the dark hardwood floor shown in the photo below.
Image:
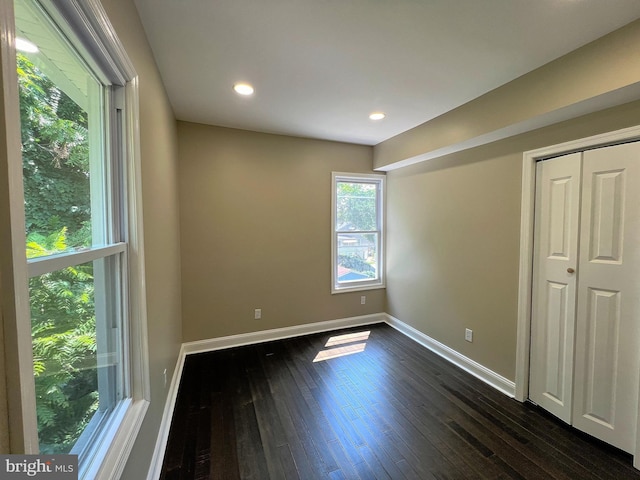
(394, 410)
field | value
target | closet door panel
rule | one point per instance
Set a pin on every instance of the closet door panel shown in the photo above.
(553, 314)
(607, 339)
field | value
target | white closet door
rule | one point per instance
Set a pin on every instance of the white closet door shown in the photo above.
(607, 343)
(554, 284)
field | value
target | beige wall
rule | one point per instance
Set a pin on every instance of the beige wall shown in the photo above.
(453, 239)
(161, 225)
(255, 219)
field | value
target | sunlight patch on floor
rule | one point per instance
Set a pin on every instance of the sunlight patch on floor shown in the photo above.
(348, 348)
(347, 338)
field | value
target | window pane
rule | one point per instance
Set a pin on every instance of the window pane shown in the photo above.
(356, 206)
(76, 353)
(60, 108)
(357, 257)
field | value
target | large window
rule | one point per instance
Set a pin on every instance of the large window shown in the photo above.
(357, 232)
(77, 144)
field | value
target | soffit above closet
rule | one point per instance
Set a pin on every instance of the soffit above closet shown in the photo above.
(320, 67)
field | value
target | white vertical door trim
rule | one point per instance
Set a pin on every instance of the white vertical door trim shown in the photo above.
(525, 277)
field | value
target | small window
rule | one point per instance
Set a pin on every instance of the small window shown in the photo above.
(357, 232)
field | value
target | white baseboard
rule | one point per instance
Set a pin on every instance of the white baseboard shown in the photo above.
(212, 344)
(165, 424)
(490, 377)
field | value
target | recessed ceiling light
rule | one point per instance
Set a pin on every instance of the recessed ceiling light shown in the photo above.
(377, 116)
(243, 89)
(25, 45)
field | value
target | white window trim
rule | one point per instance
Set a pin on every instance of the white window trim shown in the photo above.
(89, 17)
(21, 397)
(364, 285)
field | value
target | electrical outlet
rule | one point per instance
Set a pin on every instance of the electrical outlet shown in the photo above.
(468, 335)
(363, 299)
(257, 314)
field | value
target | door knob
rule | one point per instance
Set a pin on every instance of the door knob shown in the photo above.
(570, 270)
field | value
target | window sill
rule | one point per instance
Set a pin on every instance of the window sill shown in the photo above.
(358, 288)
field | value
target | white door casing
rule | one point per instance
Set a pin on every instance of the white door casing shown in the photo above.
(553, 304)
(607, 343)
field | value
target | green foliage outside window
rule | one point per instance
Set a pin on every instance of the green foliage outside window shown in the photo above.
(356, 206)
(64, 349)
(55, 158)
(357, 264)
(356, 210)
(55, 154)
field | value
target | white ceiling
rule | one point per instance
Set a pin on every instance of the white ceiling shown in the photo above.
(320, 67)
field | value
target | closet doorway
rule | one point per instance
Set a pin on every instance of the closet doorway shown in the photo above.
(579, 306)
(585, 322)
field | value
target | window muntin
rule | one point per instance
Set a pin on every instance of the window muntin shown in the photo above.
(75, 212)
(357, 238)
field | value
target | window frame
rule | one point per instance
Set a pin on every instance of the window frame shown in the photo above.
(367, 178)
(87, 23)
